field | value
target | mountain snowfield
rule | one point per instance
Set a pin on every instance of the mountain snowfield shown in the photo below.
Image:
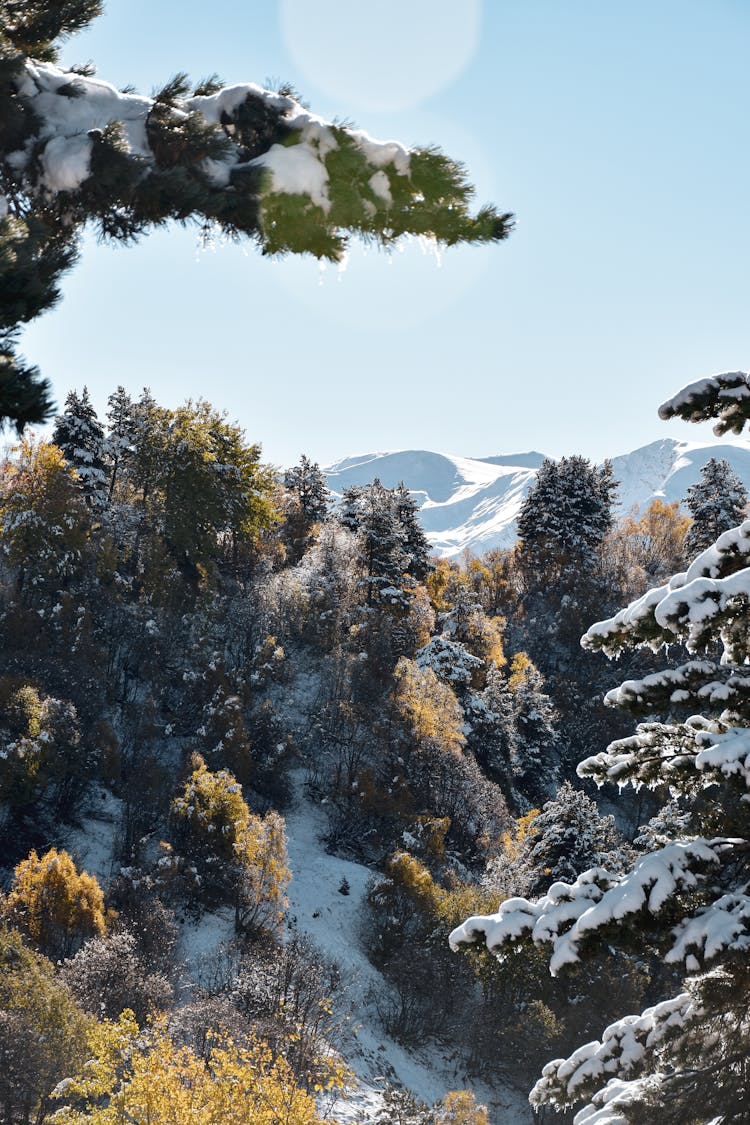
(469, 503)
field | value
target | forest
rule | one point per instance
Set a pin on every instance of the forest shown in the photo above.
(300, 823)
(195, 642)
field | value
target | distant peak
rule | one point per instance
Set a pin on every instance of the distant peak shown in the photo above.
(530, 460)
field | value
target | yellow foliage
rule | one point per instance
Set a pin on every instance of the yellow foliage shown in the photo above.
(261, 854)
(650, 545)
(43, 1031)
(54, 904)
(484, 638)
(43, 519)
(460, 1108)
(439, 582)
(447, 905)
(662, 528)
(144, 1078)
(512, 842)
(210, 813)
(521, 667)
(432, 831)
(429, 709)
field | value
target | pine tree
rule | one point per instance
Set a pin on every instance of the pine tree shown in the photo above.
(150, 432)
(370, 511)
(119, 445)
(716, 502)
(415, 541)
(308, 499)
(569, 836)
(308, 484)
(79, 434)
(565, 516)
(492, 730)
(685, 1058)
(535, 742)
(76, 152)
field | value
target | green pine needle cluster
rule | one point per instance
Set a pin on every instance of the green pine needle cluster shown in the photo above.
(196, 169)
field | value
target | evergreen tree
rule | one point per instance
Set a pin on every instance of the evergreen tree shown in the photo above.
(415, 540)
(76, 152)
(79, 434)
(685, 1058)
(492, 730)
(569, 836)
(119, 446)
(562, 527)
(565, 516)
(308, 500)
(370, 511)
(535, 742)
(716, 502)
(309, 487)
(150, 433)
(204, 484)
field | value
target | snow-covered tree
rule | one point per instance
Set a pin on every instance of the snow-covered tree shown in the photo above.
(491, 728)
(308, 484)
(716, 502)
(43, 519)
(566, 515)
(534, 754)
(307, 502)
(569, 836)
(79, 434)
(684, 1058)
(370, 511)
(415, 540)
(248, 161)
(121, 435)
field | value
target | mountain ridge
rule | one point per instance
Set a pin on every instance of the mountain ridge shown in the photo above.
(473, 502)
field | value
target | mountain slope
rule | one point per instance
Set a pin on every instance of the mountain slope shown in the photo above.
(472, 503)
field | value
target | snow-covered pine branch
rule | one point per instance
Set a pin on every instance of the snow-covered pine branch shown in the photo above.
(244, 160)
(718, 687)
(254, 161)
(573, 913)
(725, 397)
(626, 1046)
(688, 899)
(716, 584)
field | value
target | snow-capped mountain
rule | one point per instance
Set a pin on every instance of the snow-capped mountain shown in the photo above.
(473, 502)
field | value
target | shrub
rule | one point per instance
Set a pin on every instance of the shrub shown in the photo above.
(42, 1031)
(107, 975)
(55, 905)
(148, 1078)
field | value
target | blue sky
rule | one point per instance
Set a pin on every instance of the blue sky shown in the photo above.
(617, 132)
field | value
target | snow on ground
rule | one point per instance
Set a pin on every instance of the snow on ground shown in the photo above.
(332, 921)
(92, 844)
(203, 940)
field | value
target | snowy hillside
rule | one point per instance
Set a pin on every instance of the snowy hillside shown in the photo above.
(472, 503)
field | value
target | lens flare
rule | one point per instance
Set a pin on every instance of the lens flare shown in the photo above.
(385, 57)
